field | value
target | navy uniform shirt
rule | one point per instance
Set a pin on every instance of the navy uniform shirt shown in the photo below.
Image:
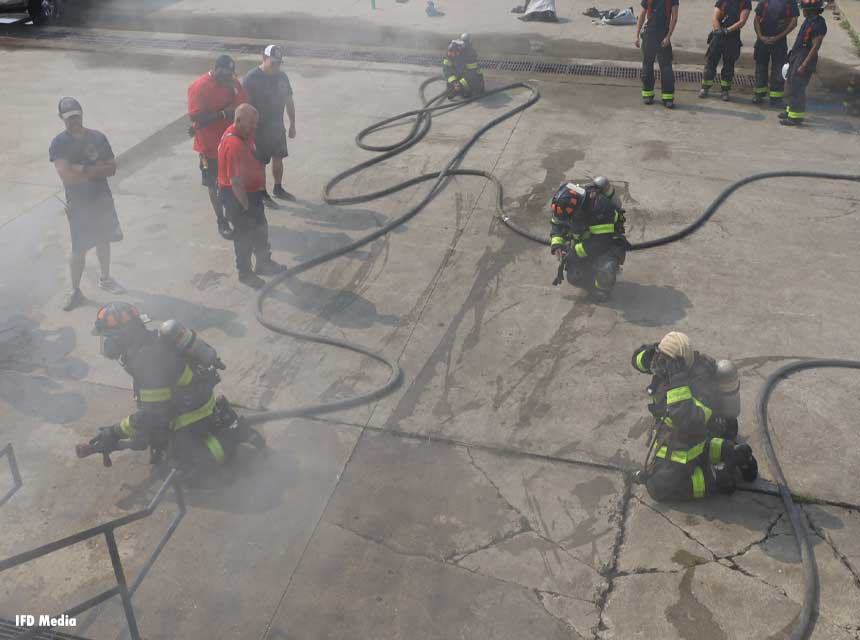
(658, 15)
(775, 14)
(92, 148)
(809, 30)
(732, 11)
(268, 94)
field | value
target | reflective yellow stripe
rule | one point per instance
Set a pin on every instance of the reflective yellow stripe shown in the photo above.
(447, 62)
(464, 82)
(704, 408)
(698, 483)
(126, 428)
(707, 83)
(777, 94)
(647, 94)
(185, 379)
(678, 394)
(599, 229)
(762, 90)
(725, 84)
(556, 240)
(716, 450)
(681, 456)
(796, 115)
(194, 416)
(639, 364)
(452, 79)
(580, 250)
(215, 448)
(667, 421)
(667, 96)
(472, 65)
(162, 394)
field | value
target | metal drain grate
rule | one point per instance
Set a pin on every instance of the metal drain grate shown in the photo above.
(332, 53)
(8, 631)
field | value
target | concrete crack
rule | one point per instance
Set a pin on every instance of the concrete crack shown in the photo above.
(524, 527)
(494, 485)
(679, 528)
(767, 535)
(382, 543)
(821, 533)
(540, 594)
(612, 570)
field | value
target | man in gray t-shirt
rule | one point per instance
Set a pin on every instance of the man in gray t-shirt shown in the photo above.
(270, 92)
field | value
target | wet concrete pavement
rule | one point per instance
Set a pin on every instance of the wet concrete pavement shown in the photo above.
(487, 497)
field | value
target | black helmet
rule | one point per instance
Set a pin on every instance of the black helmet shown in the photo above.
(117, 324)
(813, 5)
(567, 200)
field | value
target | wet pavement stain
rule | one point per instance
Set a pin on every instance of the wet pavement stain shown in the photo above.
(208, 280)
(687, 559)
(691, 619)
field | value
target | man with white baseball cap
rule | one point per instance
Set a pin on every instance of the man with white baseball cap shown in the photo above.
(270, 92)
(84, 161)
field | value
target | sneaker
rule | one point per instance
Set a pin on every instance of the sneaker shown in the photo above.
(703, 92)
(669, 104)
(724, 96)
(268, 268)
(268, 202)
(648, 99)
(758, 99)
(73, 299)
(251, 279)
(111, 286)
(280, 192)
(225, 229)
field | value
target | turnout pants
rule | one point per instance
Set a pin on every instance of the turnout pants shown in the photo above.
(692, 474)
(727, 49)
(250, 229)
(653, 50)
(596, 272)
(795, 86)
(770, 81)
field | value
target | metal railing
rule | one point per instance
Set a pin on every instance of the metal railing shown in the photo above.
(107, 529)
(17, 483)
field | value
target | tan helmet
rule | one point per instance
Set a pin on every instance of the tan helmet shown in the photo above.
(677, 345)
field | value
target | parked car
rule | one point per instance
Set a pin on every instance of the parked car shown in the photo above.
(41, 11)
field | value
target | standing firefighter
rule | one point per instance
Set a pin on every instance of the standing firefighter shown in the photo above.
(587, 235)
(659, 18)
(802, 61)
(174, 374)
(460, 69)
(695, 402)
(724, 42)
(774, 20)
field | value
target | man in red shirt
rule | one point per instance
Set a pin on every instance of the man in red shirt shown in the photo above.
(212, 99)
(241, 181)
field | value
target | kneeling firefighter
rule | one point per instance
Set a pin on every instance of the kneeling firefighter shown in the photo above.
(174, 373)
(460, 69)
(587, 235)
(695, 401)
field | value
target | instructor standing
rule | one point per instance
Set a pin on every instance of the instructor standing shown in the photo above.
(241, 179)
(270, 92)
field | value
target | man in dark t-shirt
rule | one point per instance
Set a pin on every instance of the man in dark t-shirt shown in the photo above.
(774, 20)
(724, 42)
(657, 21)
(84, 161)
(270, 92)
(802, 60)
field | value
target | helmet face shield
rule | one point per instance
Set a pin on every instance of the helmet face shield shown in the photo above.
(110, 347)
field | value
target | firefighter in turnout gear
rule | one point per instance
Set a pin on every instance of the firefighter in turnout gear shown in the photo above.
(174, 374)
(460, 69)
(774, 20)
(587, 234)
(695, 401)
(802, 60)
(724, 42)
(657, 21)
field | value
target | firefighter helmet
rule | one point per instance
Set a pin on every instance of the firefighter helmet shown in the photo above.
(117, 323)
(567, 199)
(813, 5)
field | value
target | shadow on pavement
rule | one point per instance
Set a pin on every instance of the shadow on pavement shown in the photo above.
(193, 315)
(649, 305)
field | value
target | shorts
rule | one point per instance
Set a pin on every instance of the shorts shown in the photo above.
(209, 172)
(272, 145)
(94, 225)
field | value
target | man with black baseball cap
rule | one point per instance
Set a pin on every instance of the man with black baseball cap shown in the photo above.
(84, 161)
(212, 101)
(270, 92)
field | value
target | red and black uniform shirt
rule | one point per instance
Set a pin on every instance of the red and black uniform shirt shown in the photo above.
(809, 30)
(207, 95)
(658, 13)
(774, 15)
(731, 11)
(237, 157)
